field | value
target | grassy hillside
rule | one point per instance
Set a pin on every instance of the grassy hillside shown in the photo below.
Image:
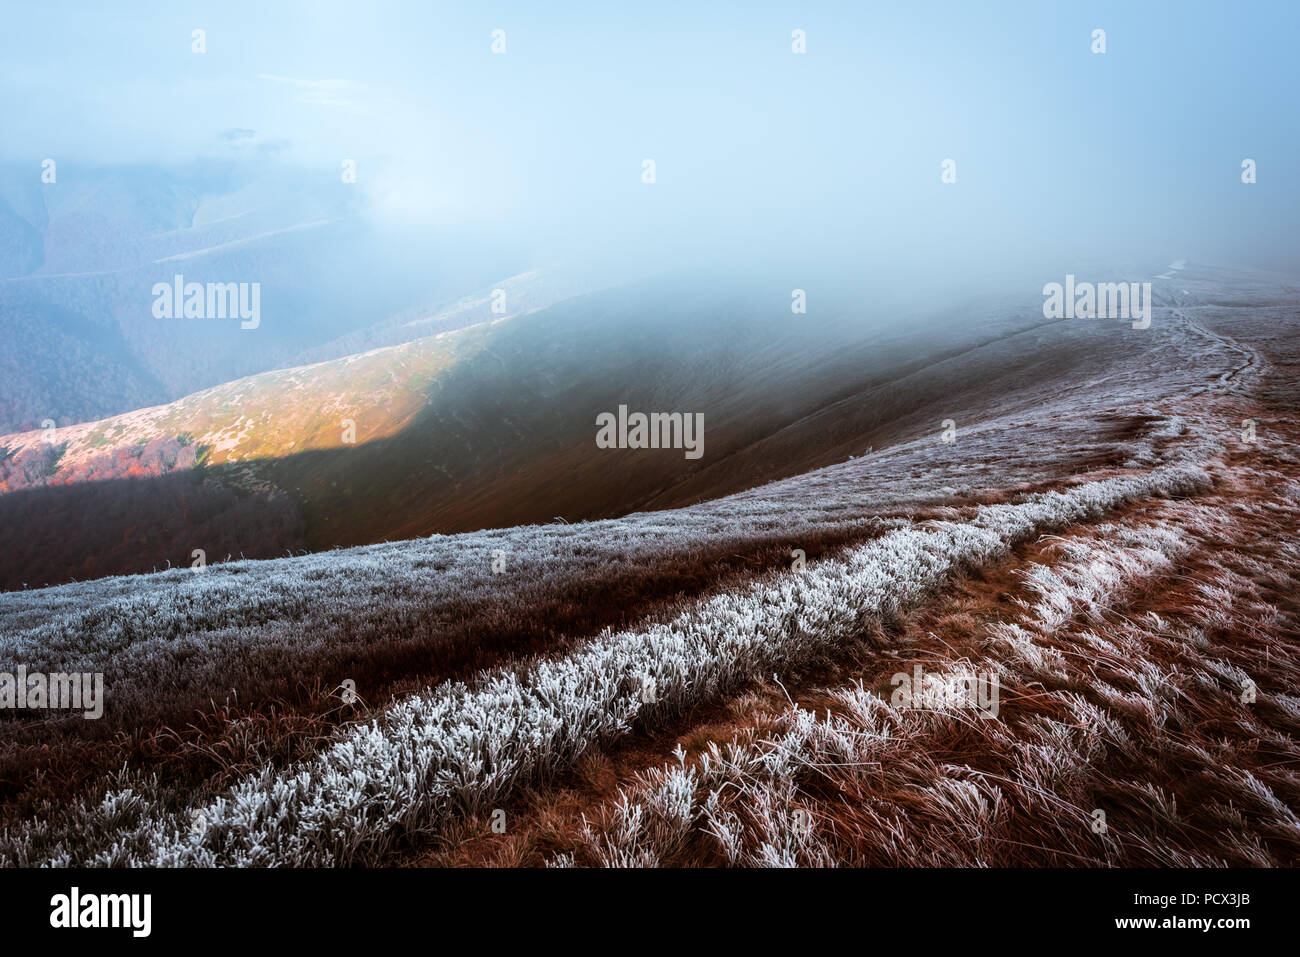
(1109, 547)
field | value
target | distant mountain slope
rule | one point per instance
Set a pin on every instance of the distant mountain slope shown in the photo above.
(494, 425)
(79, 259)
(516, 295)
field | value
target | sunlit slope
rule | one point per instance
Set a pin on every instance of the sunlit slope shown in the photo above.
(309, 405)
(272, 414)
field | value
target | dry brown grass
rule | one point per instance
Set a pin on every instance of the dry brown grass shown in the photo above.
(198, 741)
(1122, 651)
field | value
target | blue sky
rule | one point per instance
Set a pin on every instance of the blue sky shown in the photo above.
(1060, 152)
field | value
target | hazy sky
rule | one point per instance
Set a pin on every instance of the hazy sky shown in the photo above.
(1059, 152)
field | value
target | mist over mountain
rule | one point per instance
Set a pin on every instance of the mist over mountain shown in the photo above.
(80, 259)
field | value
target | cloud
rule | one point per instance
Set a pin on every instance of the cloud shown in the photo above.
(240, 139)
(325, 92)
